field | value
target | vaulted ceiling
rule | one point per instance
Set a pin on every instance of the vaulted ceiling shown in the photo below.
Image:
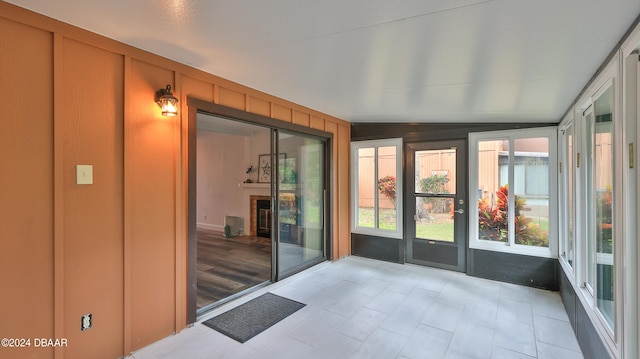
(377, 60)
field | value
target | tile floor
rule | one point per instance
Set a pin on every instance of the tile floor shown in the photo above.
(363, 308)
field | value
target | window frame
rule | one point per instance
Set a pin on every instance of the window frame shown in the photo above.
(622, 73)
(589, 214)
(611, 336)
(588, 287)
(510, 246)
(375, 231)
(566, 129)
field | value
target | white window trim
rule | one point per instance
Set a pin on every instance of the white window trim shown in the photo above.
(563, 181)
(624, 69)
(510, 247)
(629, 105)
(586, 294)
(355, 146)
(610, 336)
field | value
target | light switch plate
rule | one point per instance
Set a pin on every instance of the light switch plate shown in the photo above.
(84, 174)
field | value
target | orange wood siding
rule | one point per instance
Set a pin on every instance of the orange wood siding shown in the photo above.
(332, 127)
(317, 123)
(151, 165)
(26, 187)
(92, 123)
(261, 107)
(301, 118)
(197, 89)
(344, 147)
(281, 112)
(231, 98)
(117, 248)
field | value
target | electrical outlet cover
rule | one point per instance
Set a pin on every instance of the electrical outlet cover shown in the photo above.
(86, 322)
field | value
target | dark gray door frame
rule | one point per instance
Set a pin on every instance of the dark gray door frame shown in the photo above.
(440, 252)
(195, 106)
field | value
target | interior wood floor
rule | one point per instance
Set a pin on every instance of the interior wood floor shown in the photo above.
(230, 265)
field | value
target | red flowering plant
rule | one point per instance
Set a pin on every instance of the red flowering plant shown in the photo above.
(387, 186)
(493, 221)
(605, 205)
(604, 214)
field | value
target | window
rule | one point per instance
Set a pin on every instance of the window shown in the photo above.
(592, 179)
(568, 184)
(377, 187)
(600, 214)
(510, 179)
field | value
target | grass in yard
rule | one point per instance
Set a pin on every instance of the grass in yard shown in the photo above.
(543, 222)
(440, 229)
(436, 231)
(428, 230)
(387, 218)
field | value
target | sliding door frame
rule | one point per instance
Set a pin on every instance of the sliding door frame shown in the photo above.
(196, 106)
(277, 272)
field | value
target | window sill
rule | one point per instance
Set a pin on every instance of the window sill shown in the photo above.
(378, 232)
(544, 252)
(568, 269)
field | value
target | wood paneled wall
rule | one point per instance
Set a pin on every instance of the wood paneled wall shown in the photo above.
(116, 248)
(26, 187)
(91, 84)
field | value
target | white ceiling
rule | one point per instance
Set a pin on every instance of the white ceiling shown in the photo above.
(377, 60)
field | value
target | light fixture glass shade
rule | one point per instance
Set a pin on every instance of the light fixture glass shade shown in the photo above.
(167, 102)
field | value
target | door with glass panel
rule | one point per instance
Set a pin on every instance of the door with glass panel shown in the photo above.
(436, 198)
(301, 193)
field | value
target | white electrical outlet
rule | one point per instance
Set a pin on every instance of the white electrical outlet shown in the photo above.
(86, 322)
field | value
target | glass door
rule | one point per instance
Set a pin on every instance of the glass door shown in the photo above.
(232, 209)
(437, 210)
(256, 208)
(301, 188)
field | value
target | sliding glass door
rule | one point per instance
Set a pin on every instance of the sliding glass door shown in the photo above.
(301, 188)
(232, 210)
(257, 211)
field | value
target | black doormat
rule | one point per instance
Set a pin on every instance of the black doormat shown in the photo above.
(253, 317)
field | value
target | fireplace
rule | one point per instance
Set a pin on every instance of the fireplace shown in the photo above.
(260, 216)
(263, 218)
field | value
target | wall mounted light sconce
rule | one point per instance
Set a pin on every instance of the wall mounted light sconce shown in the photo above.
(167, 102)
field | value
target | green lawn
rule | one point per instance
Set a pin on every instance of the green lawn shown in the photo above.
(543, 223)
(435, 230)
(387, 218)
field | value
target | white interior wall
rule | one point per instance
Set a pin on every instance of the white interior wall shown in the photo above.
(222, 163)
(219, 170)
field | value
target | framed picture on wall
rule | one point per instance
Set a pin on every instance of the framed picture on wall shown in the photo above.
(265, 168)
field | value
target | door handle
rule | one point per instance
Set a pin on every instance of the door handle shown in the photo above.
(460, 211)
